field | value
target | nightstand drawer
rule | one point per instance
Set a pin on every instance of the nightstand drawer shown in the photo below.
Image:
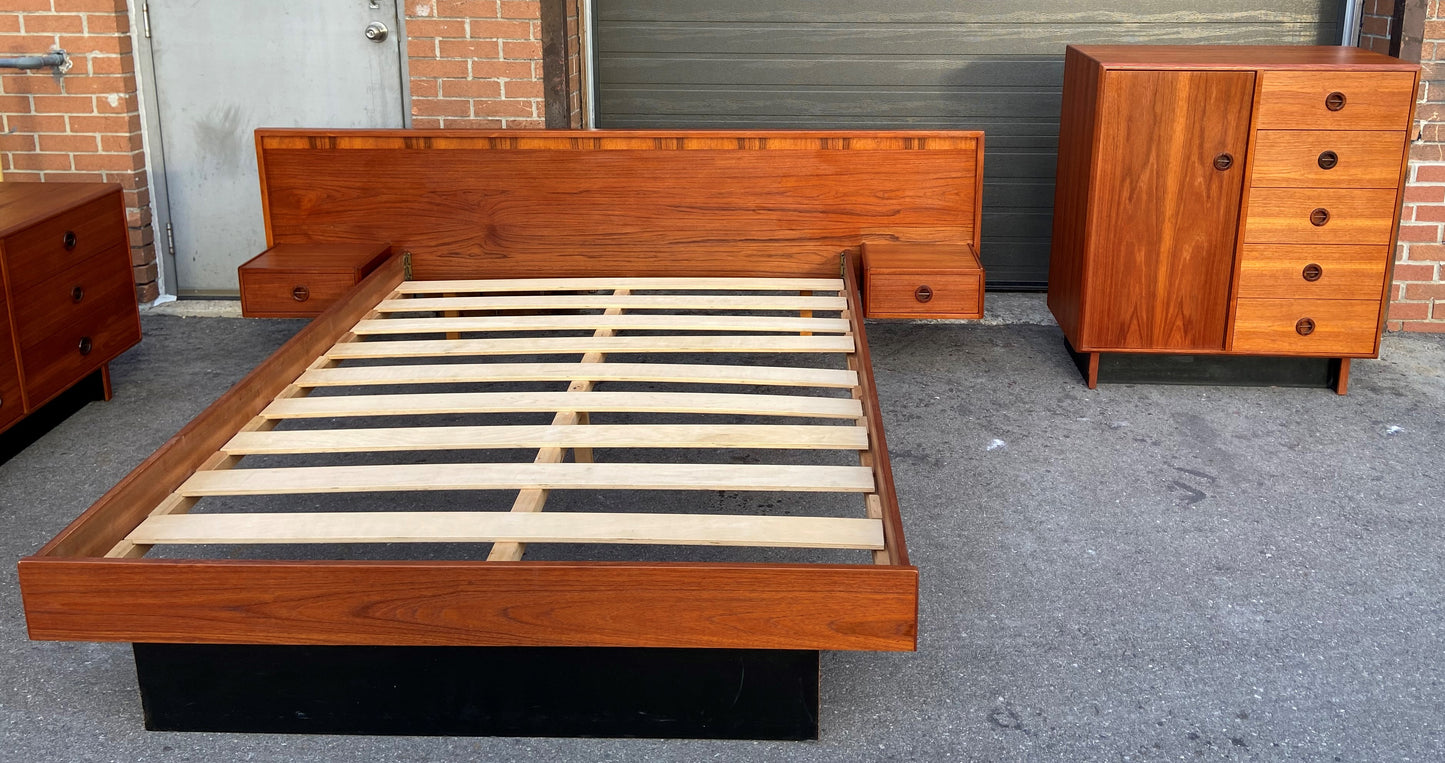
(1320, 216)
(1335, 100)
(921, 281)
(302, 280)
(44, 249)
(1328, 158)
(1325, 327)
(1286, 271)
(68, 325)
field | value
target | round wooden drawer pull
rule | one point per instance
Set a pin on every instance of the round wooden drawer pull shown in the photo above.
(1223, 162)
(77, 294)
(923, 293)
(85, 345)
(301, 294)
(1335, 101)
(1312, 272)
(1319, 216)
(68, 240)
(1304, 326)
(1328, 160)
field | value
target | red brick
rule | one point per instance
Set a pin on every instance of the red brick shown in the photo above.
(496, 108)
(471, 88)
(435, 28)
(1432, 327)
(11, 104)
(71, 144)
(147, 292)
(1425, 291)
(465, 9)
(1394, 325)
(501, 30)
(1414, 272)
(512, 70)
(9, 23)
(1428, 152)
(118, 83)
(441, 108)
(425, 47)
(18, 141)
(1427, 253)
(44, 162)
(1429, 213)
(468, 48)
(125, 103)
(141, 237)
(1430, 173)
(111, 123)
(145, 273)
(523, 88)
(129, 179)
(107, 23)
(1429, 194)
(474, 124)
(526, 124)
(138, 197)
(1409, 311)
(426, 124)
(27, 5)
(1413, 233)
(117, 44)
(91, 6)
(35, 122)
(522, 51)
(520, 9)
(425, 68)
(1375, 26)
(54, 23)
(64, 104)
(110, 162)
(141, 256)
(424, 88)
(111, 65)
(31, 83)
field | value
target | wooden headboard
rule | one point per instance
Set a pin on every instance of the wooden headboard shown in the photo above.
(567, 203)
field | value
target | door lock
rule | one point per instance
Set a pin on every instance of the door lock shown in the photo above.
(376, 31)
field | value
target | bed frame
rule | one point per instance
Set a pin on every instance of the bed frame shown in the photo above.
(650, 244)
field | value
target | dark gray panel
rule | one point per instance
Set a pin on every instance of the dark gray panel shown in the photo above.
(991, 65)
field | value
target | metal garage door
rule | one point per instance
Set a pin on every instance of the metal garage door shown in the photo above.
(994, 65)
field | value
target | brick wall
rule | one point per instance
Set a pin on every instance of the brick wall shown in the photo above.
(1376, 25)
(475, 63)
(1419, 298)
(576, 99)
(85, 125)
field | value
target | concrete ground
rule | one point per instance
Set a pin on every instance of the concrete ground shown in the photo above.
(1132, 573)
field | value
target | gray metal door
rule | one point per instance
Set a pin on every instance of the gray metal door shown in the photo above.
(224, 69)
(994, 65)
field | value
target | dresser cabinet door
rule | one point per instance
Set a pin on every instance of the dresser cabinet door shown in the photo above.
(1168, 175)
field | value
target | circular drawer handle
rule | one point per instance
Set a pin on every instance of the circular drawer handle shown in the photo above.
(1304, 326)
(1328, 160)
(1335, 101)
(1223, 162)
(301, 294)
(68, 241)
(1312, 272)
(85, 345)
(1319, 216)
(77, 294)
(923, 293)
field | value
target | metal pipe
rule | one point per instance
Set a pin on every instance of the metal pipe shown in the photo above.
(55, 58)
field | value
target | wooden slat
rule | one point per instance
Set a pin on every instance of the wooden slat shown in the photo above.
(518, 402)
(512, 476)
(783, 376)
(614, 344)
(390, 439)
(686, 322)
(482, 286)
(491, 526)
(624, 301)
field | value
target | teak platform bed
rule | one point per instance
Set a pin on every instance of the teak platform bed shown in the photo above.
(531, 271)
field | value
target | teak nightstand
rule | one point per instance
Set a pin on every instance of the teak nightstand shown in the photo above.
(922, 281)
(301, 280)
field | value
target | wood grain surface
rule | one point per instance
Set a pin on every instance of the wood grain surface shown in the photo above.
(1069, 252)
(1341, 327)
(1164, 283)
(439, 603)
(562, 203)
(1373, 100)
(1356, 216)
(1346, 272)
(1291, 158)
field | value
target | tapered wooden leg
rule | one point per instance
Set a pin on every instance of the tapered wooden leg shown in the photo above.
(105, 391)
(1093, 375)
(1342, 383)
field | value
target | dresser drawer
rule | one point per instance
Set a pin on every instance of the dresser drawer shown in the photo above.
(1336, 100)
(1328, 158)
(1320, 216)
(1326, 327)
(62, 338)
(1288, 271)
(11, 406)
(48, 247)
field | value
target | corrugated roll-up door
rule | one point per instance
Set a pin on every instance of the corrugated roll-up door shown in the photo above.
(994, 65)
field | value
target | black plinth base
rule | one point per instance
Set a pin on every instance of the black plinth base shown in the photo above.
(48, 416)
(1218, 370)
(481, 691)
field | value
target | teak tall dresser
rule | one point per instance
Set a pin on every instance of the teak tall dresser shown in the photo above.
(1222, 200)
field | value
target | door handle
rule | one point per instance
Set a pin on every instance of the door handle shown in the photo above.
(376, 31)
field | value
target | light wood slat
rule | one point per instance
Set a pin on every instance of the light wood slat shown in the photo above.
(388, 439)
(519, 402)
(592, 284)
(434, 348)
(513, 476)
(735, 323)
(521, 527)
(621, 301)
(783, 376)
